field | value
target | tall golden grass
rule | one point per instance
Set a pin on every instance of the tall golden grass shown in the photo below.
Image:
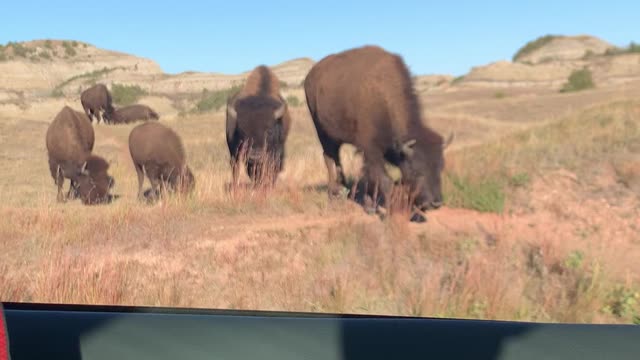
(289, 248)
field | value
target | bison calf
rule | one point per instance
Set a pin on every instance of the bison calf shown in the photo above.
(69, 141)
(131, 113)
(95, 99)
(365, 97)
(257, 126)
(157, 151)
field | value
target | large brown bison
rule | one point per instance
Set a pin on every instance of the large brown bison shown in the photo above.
(157, 151)
(364, 97)
(70, 140)
(131, 113)
(95, 99)
(257, 126)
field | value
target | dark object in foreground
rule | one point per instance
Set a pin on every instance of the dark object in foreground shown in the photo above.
(41, 331)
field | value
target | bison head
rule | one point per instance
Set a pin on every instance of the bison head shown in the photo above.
(183, 182)
(260, 123)
(93, 182)
(421, 161)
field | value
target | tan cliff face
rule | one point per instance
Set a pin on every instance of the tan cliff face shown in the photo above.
(46, 64)
(38, 67)
(564, 48)
(549, 64)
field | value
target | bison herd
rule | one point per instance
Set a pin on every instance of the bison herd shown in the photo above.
(363, 97)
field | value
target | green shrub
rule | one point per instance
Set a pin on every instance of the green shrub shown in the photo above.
(126, 94)
(499, 95)
(19, 49)
(578, 80)
(485, 195)
(57, 93)
(214, 100)
(532, 46)
(48, 44)
(588, 54)
(283, 84)
(575, 260)
(91, 77)
(45, 55)
(457, 79)
(68, 49)
(624, 302)
(293, 100)
(519, 180)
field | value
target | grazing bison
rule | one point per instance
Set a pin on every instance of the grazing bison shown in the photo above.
(70, 140)
(131, 113)
(257, 125)
(157, 151)
(96, 99)
(364, 97)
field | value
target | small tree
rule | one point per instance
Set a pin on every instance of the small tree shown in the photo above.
(578, 80)
(126, 94)
(293, 100)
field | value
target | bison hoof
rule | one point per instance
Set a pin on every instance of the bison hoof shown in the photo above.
(418, 218)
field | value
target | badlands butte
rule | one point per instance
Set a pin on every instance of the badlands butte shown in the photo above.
(541, 187)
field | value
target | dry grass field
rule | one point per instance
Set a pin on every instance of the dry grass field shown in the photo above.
(541, 220)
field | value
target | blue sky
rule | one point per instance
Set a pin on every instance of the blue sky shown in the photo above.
(236, 35)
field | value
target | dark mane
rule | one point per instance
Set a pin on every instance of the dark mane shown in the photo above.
(265, 80)
(255, 102)
(411, 99)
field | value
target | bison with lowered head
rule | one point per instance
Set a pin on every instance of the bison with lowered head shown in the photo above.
(157, 151)
(364, 97)
(131, 113)
(70, 140)
(95, 99)
(257, 125)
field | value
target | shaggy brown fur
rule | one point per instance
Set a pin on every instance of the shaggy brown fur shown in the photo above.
(70, 139)
(157, 151)
(257, 126)
(364, 97)
(95, 99)
(131, 113)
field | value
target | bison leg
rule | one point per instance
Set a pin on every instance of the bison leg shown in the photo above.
(235, 172)
(334, 169)
(377, 183)
(98, 117)
(88, 112)
(73, 190)
(59, 180)
(140, 173)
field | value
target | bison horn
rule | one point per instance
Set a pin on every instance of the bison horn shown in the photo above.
(449, 140)
(83, 169)
(231, 111)
(393, 172)
(279, 112)
(407, 147)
